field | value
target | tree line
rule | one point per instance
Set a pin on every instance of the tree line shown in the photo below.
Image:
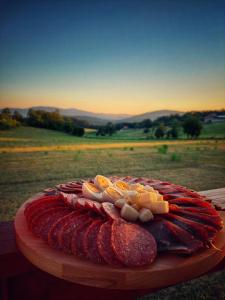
(42, 119)
(168, 126)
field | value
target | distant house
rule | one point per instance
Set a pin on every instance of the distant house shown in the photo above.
(214, 118)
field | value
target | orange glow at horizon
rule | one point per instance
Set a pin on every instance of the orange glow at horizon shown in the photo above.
(120, 101)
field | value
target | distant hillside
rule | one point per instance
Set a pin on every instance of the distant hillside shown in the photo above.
(73, 112)
(151, 115)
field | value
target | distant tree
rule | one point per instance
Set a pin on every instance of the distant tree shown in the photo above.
(68, 125)
(17, 116)
(192, 127)
(160, 131)
(146, 130)
(173, 132)
(147, 123)
(109, 128)
(5, 113)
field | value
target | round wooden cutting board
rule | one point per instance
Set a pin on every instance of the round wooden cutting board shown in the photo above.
(167, 269)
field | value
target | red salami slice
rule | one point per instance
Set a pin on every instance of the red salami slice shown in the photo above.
(77, 240)
(104, 245)
(53, 240)
(42, 207)
(90, 242)
(133, 245)
(51, 221)
(42, 223)
(69, 199)
(110, 210)
(32, 206)
(66, 233)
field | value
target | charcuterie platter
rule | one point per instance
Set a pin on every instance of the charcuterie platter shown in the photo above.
(117, 236)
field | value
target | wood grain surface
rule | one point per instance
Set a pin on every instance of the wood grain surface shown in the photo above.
(166, 270)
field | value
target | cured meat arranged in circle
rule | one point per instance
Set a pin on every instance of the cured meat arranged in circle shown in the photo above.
(133, 245)
(77, 247)
(105, 245)
(77, 225)
(66, 233)
(42, 223)
(53, 238)
(90, 244)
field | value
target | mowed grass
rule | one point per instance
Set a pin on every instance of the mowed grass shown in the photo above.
(199, 165)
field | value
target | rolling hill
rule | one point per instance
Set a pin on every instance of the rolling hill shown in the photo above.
(153, 115)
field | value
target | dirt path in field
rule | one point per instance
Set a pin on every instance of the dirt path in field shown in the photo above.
(74, 147)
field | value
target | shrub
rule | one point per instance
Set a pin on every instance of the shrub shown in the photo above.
(163, 149)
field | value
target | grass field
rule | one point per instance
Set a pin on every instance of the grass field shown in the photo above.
(213, 130)
(196, 164)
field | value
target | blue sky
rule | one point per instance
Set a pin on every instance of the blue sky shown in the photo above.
(122, 56)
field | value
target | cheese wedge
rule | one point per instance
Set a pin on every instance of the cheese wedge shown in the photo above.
(160, 207)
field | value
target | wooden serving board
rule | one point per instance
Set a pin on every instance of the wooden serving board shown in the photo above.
(167, 269)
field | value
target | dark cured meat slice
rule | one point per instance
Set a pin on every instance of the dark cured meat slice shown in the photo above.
(200, 231)
(42, 223)
(90, 242)
(104, 244)
(66, 233)
(213, 220)
(132, 244)
(53, 240)
(77, 239)
(42, 199)
(111, 211)
(172, 238)
(189, 202)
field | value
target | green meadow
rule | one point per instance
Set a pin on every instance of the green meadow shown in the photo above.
(38, 161)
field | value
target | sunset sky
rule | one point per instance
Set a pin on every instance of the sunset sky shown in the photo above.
(113, 56)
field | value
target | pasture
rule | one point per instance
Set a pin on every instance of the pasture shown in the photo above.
(43, 158)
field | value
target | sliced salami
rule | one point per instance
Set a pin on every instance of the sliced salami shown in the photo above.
(90, 242)
(105, 246)
(77, 239)
(53, 239)
(133, 245)
(111, 211)
(66, 233)
(33, 206)
(42, 207)
(42, 223)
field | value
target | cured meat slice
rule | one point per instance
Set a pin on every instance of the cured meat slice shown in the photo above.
(69, 199)
(42, 207)
(111, 211)
(213, 220)
(104, 244)
(70, 187)
(90, 205)
(41, 200)
(189, 202)
(200, 231)
(51, 221)
(132, 244)
(90, 244)
(172, 238)
(42, 223)
(77, 239)
(66, 233)
(53, 239)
